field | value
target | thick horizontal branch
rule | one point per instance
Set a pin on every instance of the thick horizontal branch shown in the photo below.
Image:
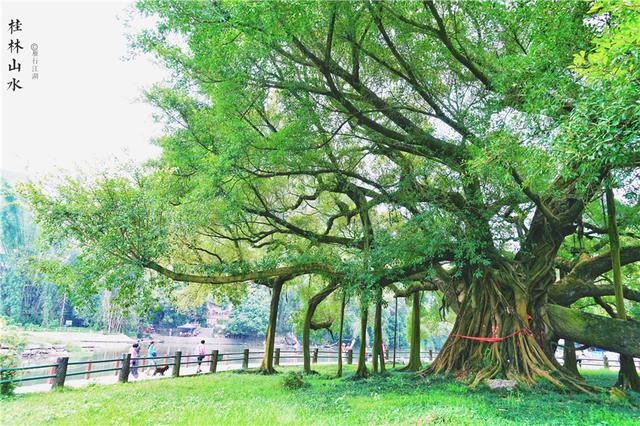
(611, 334)
(593, 267)
(567, 292)
(405, 292)
(285, 271)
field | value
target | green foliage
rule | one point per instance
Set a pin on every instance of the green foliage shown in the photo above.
(615, 53)
(434, 327)
(26, 296)
(251, 317)
(294, 380)
(10, 347)
(602, 131)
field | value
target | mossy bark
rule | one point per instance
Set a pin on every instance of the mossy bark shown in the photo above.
(597, 331)
(266, 367)
(627, 376)
(414, 363)
(362, 371)
(306, 337)
(569, 355)
(340, 354)
(499, 305)
(377, 349)
(313, 303)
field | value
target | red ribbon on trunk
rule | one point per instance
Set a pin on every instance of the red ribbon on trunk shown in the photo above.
(494, 339)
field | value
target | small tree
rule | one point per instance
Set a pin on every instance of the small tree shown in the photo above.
(9, 352)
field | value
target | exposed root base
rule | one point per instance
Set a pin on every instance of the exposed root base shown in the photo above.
(266, 371)
(561, 381)
(411, 367)
(628, 378)
(497, 306)
(359, 376)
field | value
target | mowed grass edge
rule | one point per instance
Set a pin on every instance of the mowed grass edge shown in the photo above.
(245, 398)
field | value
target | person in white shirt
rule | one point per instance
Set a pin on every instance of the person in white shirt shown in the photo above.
(201, 351)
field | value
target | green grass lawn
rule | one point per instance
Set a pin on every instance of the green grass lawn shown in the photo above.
(235, 398)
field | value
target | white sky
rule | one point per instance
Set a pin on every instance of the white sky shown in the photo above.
(85, 110)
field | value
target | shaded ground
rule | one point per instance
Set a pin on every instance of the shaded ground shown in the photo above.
(235, 398)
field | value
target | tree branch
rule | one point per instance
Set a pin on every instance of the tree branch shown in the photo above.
(286, 271)
(611, 334)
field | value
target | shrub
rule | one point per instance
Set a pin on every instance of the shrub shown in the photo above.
(9, 351)
(293, 381)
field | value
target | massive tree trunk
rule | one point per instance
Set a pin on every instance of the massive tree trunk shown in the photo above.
(315, 300)
(361, 371)
(500, 329)
(266, 367)
(377, 349)
(508, 306)
(340, 354)
(503, 329)
(627, 376)
(414, 355)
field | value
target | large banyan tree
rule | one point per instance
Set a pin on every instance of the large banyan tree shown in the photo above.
(457, 140)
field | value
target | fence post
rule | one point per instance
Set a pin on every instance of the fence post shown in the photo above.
(605, 361)
(61, 372)
(213, 362)
(88, 370)
(430, 354)
(245, 359)
(124, 370)
(277, 356)
(315, 356)
(350, 356)
(52, 371)
(176, 366)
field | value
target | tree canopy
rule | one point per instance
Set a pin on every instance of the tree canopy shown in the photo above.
(462, 144)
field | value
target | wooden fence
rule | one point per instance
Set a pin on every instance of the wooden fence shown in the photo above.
(121, 367)
(58, 373)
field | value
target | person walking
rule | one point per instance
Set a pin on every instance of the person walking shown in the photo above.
(151, 352)
(133, 363)
(201, 352)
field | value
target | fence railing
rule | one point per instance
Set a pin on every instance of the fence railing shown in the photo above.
(122, 367)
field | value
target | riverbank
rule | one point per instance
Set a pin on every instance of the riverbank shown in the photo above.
(243, 398)
(85, 344)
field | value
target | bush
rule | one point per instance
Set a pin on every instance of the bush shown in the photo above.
(9, 352)
(293, 381)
